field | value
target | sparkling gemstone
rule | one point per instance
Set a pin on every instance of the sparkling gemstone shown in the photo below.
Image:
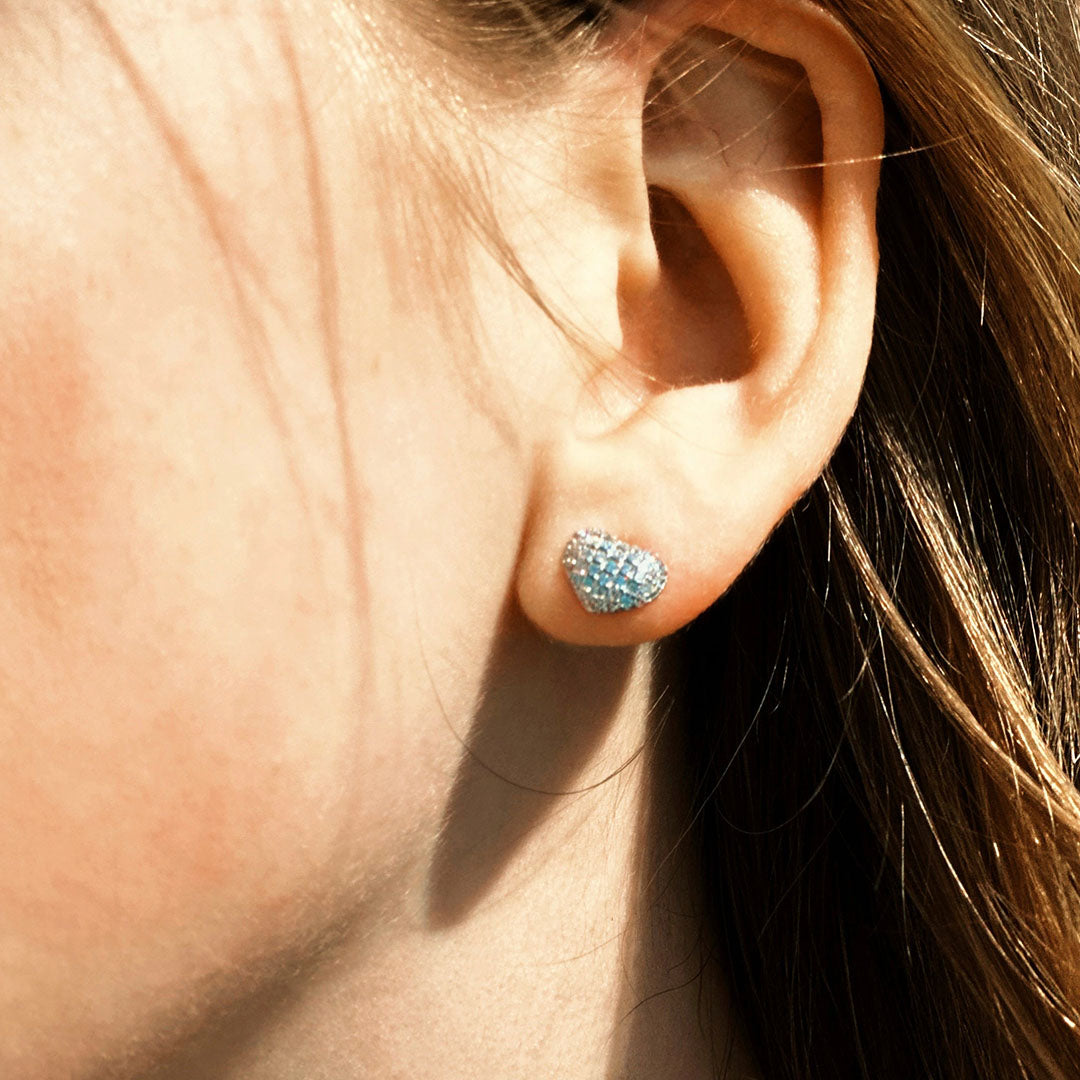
(609, 575)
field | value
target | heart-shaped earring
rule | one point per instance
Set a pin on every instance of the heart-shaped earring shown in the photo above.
(609, 575)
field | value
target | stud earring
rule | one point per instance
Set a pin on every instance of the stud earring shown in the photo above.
(609, 575)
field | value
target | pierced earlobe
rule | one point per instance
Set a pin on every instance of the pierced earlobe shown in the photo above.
(609, 575)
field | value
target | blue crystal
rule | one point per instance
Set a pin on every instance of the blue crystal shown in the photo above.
(610, 575)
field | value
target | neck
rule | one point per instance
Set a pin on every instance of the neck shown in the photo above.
(551, 927)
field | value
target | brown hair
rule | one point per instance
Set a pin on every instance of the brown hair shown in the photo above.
(882, 714)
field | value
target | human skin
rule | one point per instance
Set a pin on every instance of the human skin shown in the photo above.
(264, 493)
(231, 673)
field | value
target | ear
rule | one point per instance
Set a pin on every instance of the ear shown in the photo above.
(751, 133)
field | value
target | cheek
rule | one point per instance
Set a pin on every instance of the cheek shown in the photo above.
(178, 676)
(48, 495)
(209, 748)
(218, 722)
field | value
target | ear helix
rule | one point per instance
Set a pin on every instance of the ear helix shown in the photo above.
(609, 575)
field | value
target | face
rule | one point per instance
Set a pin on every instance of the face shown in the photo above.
(261, 504)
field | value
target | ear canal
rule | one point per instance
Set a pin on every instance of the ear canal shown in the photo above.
(733, 145)
(695, 279)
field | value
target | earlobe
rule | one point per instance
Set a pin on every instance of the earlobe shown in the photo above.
(746, 326)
